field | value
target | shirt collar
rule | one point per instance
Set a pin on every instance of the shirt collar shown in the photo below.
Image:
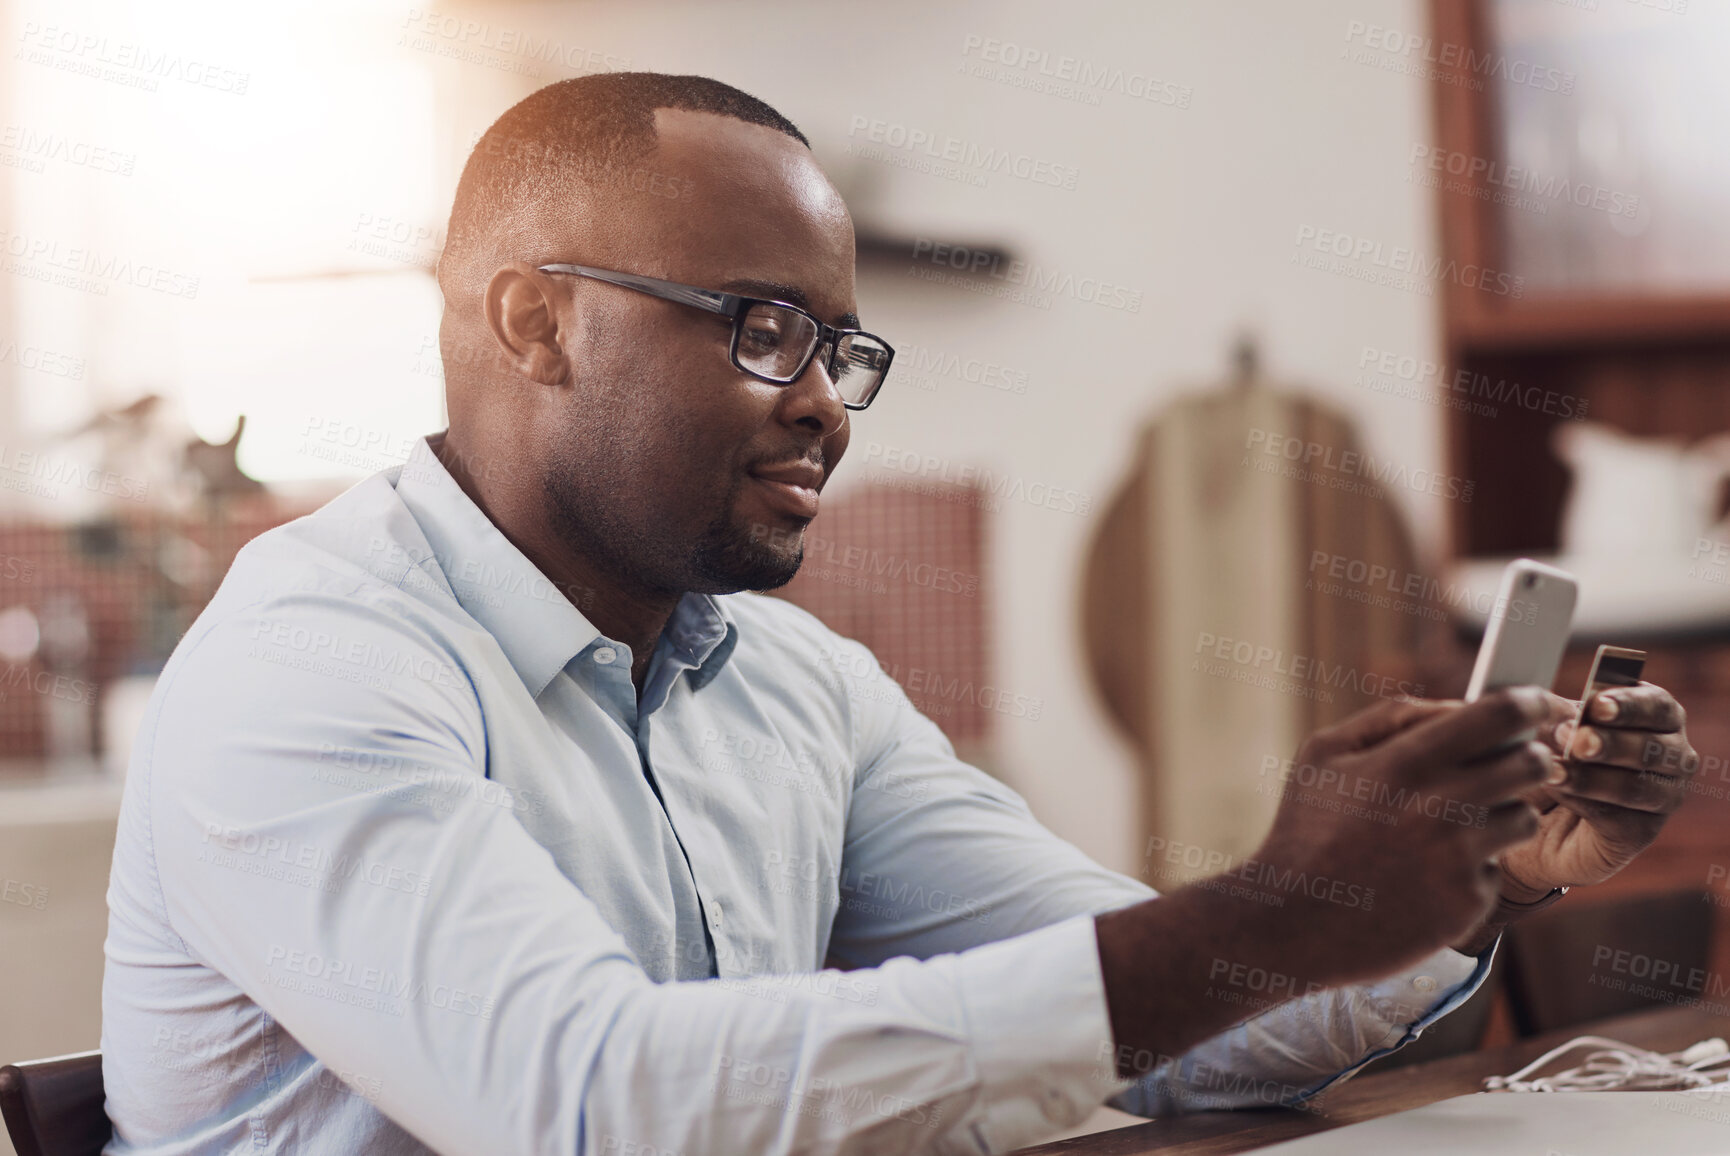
(536, 626)
(702, 631)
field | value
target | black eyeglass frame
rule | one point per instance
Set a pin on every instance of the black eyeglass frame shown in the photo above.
(734, 306)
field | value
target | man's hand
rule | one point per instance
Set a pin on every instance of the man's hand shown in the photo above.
(1597, 812)
(1391, 861)
(1437, 801)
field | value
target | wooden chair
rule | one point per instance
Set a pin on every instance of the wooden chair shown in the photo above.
(55, 1107)
(1577, 963)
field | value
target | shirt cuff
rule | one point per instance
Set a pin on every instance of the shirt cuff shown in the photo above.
(1414, 999)
(1424, 993)
(1471, 970)
(1043, 1050)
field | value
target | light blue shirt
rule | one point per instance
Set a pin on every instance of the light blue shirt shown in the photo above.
(404, 863)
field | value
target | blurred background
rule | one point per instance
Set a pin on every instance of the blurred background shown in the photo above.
(1238, 344)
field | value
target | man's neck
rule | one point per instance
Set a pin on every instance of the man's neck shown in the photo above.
(618, 613)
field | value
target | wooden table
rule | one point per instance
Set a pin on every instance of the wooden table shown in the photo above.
(1218, 1133)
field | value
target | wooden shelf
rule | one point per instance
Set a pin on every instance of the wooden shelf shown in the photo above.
(1578, 322)
(1650, 364)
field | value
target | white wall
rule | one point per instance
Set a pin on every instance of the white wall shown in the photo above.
(1196, 207)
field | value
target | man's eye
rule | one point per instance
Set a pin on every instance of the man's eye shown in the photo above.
(761, 337)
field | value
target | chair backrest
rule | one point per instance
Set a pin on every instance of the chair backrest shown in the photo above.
(1578, 963)
(55, 1107)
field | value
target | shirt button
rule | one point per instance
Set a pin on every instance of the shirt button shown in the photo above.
(605, 655)
(1425, 984)
(715, 916)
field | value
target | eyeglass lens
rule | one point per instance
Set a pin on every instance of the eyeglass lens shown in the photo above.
(774, 340)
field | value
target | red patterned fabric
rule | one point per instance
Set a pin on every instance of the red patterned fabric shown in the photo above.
(903, 571)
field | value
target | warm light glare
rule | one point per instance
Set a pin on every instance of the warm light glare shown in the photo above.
(261, 172)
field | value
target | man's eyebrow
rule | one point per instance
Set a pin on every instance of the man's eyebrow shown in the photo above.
(791, 294)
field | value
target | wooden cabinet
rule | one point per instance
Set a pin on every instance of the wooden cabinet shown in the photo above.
(1583, 306)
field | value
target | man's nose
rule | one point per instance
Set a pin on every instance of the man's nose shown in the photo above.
(813, 400)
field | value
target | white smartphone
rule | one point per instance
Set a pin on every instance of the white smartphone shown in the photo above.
(1527, 631)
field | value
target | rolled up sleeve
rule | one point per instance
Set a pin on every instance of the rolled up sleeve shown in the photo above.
(923, 824)
(1295, 1051)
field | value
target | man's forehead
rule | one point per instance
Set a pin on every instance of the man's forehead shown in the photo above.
(728, 204)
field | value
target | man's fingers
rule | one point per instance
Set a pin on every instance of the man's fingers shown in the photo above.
(1636, 750)
(1509, 825)
(1560, 712)
(1498, 778)
(1642, 707)
(1456, 736)
(1372, 725)
(1631, 790)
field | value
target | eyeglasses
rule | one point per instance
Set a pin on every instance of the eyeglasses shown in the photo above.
(772, 340)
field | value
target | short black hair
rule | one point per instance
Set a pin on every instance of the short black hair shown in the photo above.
(579, 130)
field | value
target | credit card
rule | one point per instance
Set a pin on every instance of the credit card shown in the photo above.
(1612, 666)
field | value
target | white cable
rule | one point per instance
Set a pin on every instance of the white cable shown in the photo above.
(1616, 1066)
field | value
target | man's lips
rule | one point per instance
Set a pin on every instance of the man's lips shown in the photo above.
(792, 486)
(806, 474)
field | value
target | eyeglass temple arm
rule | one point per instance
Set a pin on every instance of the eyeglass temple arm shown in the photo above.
(709, 299)
(726, 304)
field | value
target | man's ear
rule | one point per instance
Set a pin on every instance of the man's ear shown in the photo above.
(520, 313)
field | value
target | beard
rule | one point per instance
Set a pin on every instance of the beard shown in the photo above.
(728, 557)
(598, 519)
(725, 557)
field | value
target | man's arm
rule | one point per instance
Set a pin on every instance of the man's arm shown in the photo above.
(939, 856)
(441, 951)
(1434, 873)
(1591, 815)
